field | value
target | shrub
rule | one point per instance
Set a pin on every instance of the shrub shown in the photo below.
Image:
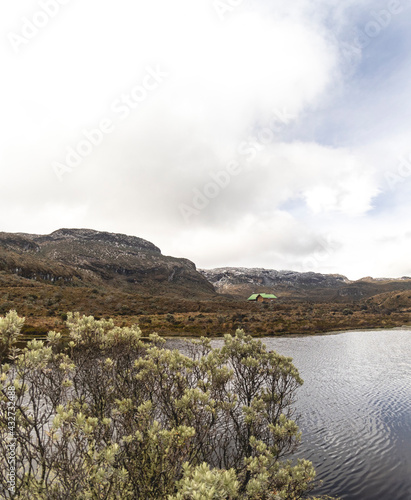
(10, 328)
(115, 417)
(5, 307)
(170, 318)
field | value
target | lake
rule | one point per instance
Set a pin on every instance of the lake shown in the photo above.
(355, 408)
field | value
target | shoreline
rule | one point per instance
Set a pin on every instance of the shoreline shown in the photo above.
(179, 335)
(291, 335)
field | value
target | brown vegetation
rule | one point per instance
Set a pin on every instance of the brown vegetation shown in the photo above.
(45, 307)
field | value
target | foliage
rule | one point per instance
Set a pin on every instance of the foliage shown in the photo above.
(10, 328)
(112, 416)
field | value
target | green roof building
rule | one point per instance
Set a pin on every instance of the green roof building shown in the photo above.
(262, 297)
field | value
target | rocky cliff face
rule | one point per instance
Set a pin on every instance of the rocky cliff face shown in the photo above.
(88, 257)
(88, 236)
(227, 279)
(242, 282)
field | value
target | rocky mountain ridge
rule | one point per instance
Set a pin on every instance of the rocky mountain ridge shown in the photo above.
(224, 277)
(88, 235)
(129, 264)
(85, 257)
(242, 282)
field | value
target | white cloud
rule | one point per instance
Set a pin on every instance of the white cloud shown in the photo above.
(352, 196)
(226, 80)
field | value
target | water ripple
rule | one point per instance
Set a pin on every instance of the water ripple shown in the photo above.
(355, 409)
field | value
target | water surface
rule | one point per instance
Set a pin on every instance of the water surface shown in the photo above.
(355, 408)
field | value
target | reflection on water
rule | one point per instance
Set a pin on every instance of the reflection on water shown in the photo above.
(355, 408)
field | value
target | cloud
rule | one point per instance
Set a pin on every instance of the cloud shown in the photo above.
(312, 120)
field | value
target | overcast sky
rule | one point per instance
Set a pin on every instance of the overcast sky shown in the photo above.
(255, 133)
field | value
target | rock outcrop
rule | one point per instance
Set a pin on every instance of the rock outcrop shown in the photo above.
(242, 282)
(88, 257)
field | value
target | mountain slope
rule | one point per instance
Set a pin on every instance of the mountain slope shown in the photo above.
(242, 282)
(84, 257)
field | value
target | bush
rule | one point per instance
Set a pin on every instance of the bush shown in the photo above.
(5, 307)
(10, 328)
(115, 417)
(170, 318)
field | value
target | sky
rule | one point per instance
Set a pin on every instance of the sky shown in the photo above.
(252, 133)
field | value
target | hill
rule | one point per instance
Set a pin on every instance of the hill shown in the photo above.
(291, 285)
(84, 257)
(128, 278)
(392, 301)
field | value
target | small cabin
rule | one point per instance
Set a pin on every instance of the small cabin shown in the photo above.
(262, 297)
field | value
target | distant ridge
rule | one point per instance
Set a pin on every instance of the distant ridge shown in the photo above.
(122, 263)
(85, 257)
(242, 282)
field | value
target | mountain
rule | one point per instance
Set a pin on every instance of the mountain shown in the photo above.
(127, 278)
(242, 282)
(84, 257)
(85, 260)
